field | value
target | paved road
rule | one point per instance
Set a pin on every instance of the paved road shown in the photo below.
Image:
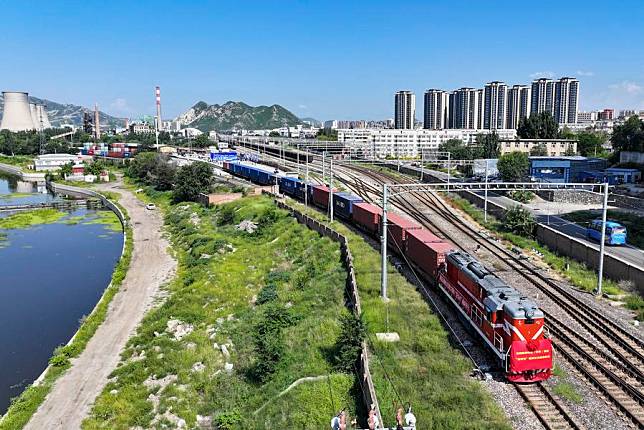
(628, 253)
(72, 396)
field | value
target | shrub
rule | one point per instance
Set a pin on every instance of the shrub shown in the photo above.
(349, 342)
(522, 196)
(267, 294)
(520, 221)
(228, 420)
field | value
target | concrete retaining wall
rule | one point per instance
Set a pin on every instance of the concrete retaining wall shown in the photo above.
(369, 395)
(25, 176)
(83, 192)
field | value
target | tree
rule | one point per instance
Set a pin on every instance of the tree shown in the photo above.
(488, 145)
(163, 174)
(274, 134)
(629, 136)
(95, 168)
(349, 343)
(520, 221)
(191, 180)
(538, 126)
(201, 141)
(589, 143)
(65, 169)
(327, 134)
(457, 149)
(539, 150)
(513, 166)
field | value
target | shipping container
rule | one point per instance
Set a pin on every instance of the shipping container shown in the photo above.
(397, 228)
(343, 204)
(321, 196)
(293, 187)
(367, 216)
(422, 235)
(427, 255)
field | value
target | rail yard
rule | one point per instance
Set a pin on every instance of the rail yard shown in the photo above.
(593, 342)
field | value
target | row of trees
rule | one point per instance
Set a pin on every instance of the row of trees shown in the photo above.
(28, 142)
(159, 172)
(629, 136)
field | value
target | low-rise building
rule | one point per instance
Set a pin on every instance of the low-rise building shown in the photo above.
(564, 169)
(401, 143)
(53, 161)
(554, 147)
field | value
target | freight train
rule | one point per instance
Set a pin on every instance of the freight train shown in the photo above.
(510, 324)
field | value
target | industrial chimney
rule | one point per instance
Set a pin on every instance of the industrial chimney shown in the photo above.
(97, 126)
(17, 113)
(159, 120)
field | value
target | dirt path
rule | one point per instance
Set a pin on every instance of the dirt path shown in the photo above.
(72, 396)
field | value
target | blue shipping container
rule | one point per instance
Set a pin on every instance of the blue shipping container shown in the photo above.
(343, 204)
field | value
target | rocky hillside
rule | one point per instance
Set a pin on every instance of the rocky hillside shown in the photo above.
(69, 114)
(236, 115)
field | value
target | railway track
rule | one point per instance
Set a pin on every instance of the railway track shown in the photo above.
(617, 375)
(614, 369)
(548, 409)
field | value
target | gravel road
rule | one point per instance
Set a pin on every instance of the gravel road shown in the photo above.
(72, 396)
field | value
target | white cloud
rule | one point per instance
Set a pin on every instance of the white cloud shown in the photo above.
(585, 73)
(537, 75)
(303, 107)
(628, 87)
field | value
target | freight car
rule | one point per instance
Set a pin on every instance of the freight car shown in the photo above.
(511, 325)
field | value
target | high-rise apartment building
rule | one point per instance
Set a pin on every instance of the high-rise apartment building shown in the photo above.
(464, 108)
(494, 105)
(404, 110)
(542, 97)
(436, 109)
(518, 105)
(480, 108)
(566, 100)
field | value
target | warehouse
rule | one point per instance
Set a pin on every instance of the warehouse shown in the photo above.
(563, 169)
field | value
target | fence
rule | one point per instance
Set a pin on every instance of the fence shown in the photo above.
(369, 394)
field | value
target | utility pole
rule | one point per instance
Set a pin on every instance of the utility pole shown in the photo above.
(601, 244)
(422, 164)
(485, 204)
(331, 189)
(449, 154)
(383, 251)
(306, 184)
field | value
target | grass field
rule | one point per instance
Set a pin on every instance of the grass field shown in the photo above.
(230, 286)
(26, 219)
(634, 223)
(423, 368)
(21, 161)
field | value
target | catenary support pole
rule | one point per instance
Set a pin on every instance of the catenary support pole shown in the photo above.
(331, 189)
(485, 204)
(383, 251)
(306, 184)
(600, 273)
(422, 164)
(449, 163)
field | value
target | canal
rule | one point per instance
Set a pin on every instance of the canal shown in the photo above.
(52, 273)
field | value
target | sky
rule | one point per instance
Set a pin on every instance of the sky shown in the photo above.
(320, 59)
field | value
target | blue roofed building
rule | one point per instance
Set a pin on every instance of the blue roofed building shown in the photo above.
(564, 169)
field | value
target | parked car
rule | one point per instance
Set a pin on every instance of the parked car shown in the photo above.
(150, 206)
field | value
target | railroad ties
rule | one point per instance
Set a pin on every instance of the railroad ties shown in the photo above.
(60, 205)
(547, 407)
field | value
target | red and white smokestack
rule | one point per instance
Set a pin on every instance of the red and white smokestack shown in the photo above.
(158, 97)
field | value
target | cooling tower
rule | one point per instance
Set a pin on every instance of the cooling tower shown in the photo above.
(17, 113)
(34, 116)
(42, 117)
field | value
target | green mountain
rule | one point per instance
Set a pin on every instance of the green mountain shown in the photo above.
(236, 115)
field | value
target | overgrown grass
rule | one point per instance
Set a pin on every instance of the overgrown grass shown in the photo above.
(106, 218)
(567, 391)
(422, 368)
(230, 286)
(21, 161)
(634, 223)
(26, 219)
(578, 274)
(25, 405)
